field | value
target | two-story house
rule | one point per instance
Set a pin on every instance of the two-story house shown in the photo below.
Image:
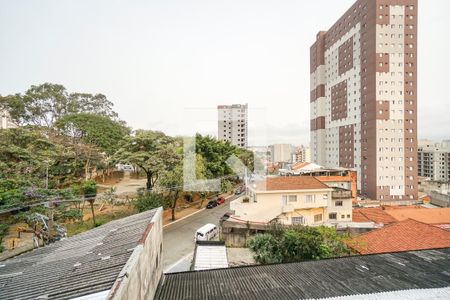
(293, 200)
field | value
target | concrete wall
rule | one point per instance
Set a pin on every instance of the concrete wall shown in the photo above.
(140, 277)
(442, 200)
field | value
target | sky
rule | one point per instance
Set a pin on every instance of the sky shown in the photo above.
(167, 64)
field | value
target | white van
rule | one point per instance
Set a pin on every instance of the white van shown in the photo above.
(206, 232)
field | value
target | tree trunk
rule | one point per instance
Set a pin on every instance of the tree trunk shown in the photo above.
(91, 202)
(149, 182)
(174, 205)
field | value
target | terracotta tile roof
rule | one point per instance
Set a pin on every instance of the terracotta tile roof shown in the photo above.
(372, 214)
(300, 165)
(422, 214)
(406, 235)
(290, 183)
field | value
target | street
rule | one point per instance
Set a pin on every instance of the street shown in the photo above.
(178, 238)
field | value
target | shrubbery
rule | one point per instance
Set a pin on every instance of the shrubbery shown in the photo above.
(297, 243)
(147, 201)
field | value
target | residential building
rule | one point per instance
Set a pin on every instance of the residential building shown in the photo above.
(118, 260)
(301, 154)
(339, 177)
(406, 235)
(364, 97)
(233, 124)
(434, 160)
(293, 200)
(5, 120)
(406, 275)
(281, 153)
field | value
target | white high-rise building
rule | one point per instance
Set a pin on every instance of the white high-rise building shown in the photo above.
(233, 124)
(281, 153)
(434, 160)
(5, 120)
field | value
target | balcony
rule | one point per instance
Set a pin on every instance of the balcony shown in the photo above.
(339, 193)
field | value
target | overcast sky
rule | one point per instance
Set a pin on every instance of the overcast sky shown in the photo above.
(167, 64)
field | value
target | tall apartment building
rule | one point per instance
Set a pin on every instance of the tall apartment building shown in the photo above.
(434, 160)
(233, 124)
(302, 154)
(5, 120)
(281, 153)
(364, 97)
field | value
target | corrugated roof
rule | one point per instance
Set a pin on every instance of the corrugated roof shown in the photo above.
(406, 235)
(285, 183)
(314, 279)
(84, 264)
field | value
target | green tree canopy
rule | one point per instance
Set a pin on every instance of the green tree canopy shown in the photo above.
(42, 105)
(297, 243)
(98, 130)
(152, 151)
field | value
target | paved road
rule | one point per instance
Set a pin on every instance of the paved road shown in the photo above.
(178, 238)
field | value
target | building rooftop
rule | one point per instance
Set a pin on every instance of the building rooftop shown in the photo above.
(377, 215)
(84, 264)
(406, 235)
(422, 214)
(285, 183)
(349, 276)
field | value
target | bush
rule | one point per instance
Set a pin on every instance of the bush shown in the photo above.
(148, 201)
(297, 243)
(90, 189)
(3, 231)
(267, 249)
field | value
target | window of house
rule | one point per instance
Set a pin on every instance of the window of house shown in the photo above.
(348, 216)
(309, 198)
(298, 220)
(318, 218)
(325, 196)
(338, 203)
(332, 216)
(292, 198)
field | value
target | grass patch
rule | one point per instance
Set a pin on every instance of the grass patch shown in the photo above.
(100, 219)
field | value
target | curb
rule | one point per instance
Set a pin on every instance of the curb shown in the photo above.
(190, 215)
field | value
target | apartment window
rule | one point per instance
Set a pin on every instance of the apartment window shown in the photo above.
(309, 198)
(332, 216)
(292, 198)
(318, 218)
(298, 220)
(338, 203)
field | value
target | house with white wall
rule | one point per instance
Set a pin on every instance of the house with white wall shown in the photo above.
(293, 200)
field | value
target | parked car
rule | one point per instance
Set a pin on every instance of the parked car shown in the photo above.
(239, 190)
(226, 216)
(211, 204)
(220, 200)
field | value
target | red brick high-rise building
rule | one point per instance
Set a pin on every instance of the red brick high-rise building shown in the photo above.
(364, 97)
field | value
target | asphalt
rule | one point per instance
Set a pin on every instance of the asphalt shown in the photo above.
(178, 238)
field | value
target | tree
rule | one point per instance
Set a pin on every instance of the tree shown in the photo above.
(152, 151)
(172, 181)
(297, 243)
(90, 193)
(42, 105)
(94, 129)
